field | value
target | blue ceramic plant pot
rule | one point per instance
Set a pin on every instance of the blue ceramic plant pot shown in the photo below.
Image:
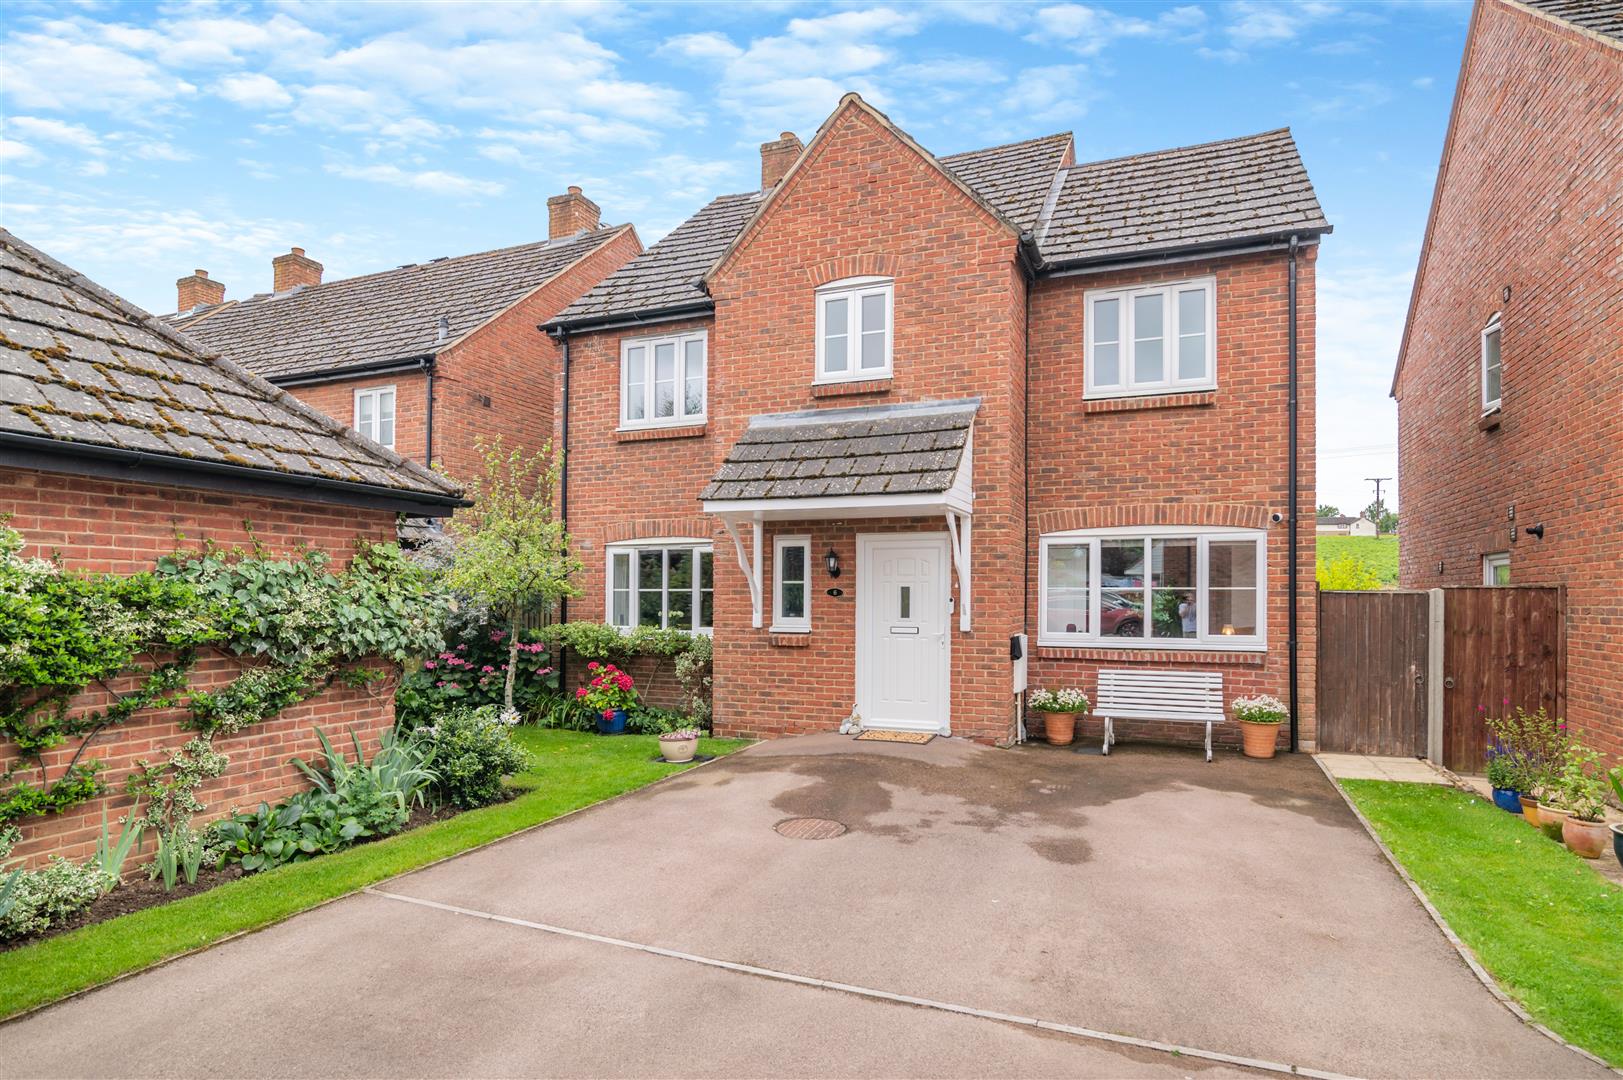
(1507, 800)
(1617, 843)
(616, 726)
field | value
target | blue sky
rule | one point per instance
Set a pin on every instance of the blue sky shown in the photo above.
(141, 141)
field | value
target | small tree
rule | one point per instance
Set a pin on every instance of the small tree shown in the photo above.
(1328, 511)
(510, 553)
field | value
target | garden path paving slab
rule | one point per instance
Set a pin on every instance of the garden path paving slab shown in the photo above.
(1235, 906)
(372, 987)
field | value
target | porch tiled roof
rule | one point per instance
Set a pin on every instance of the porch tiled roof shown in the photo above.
(873, 450)
(80, 365)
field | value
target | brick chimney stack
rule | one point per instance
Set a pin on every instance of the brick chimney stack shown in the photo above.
(292, 269)
(198, 291)
(571, 213)
(778, 157)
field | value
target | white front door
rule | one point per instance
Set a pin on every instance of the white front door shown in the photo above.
(902, 618)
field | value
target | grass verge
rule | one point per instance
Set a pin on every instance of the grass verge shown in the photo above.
(568, 770)
(1543, 924)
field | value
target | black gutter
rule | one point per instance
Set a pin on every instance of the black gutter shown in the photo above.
(376, 367)
(691, 309)
(1184, 253)
(1293, 512)
(117, 463)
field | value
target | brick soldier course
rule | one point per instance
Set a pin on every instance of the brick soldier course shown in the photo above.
(1524, 227)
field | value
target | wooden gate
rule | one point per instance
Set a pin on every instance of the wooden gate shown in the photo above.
(1503, 647)
(1372, 672)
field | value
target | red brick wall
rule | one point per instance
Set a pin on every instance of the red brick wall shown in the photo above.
(108, 526)
(1217, 458)
(337, 400)
(1527, 201)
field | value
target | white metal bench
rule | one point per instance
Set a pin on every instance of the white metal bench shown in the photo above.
(1194, 697)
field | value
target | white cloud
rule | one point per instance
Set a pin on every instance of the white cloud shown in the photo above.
(57, 131)
(706, 46)
(1090, 30)
(1056, 93)
(432, 181)
(46, 71)
(1253, 23)
(18, 153)
(1423, 83)
(254, 90)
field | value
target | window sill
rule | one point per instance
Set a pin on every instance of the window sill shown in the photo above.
(1191, 399)
(789, 639)
(879, 385)
(1249, 656)
(643, 434)
(1490, 419)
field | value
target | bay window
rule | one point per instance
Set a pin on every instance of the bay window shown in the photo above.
(854, 330)
(668, 584)
(662, 380)
(1153, 587)
(1158, 339)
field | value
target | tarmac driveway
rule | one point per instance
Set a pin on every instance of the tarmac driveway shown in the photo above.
(1235, 907)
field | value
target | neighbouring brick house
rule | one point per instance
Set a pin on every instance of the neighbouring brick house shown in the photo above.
(1510, 379)
(870, 422)
(422, 358)
(120, 441)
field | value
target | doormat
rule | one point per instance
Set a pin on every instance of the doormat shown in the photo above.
(918, 737)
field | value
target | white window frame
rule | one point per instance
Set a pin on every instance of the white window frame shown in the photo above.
(781, 624)
(376, 393)
(1203, 641)
(1493, 328)
(1171, 331)
(679, 417)
(1492, 562)
(853, 290)
(632, 549)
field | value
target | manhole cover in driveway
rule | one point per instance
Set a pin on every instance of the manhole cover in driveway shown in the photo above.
(809, 828)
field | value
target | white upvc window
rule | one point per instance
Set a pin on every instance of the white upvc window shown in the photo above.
(374, 414)
(1493, 367)
(663, 380)
(1496, 568)
(1156, 587)
(664, 583)
(854, 329)
(791, 584)
(1157, 339)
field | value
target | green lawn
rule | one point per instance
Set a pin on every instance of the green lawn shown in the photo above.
(569, 770)
(1379, 553)
(1547, 927)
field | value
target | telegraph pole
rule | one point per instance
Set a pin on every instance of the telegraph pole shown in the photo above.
(1378, 481)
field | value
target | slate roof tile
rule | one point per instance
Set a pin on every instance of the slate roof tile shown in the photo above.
(79, 364)
(1601, 16)
(392, 315)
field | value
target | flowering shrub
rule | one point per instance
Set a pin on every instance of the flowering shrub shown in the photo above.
(1065, 700)
(1530, 747)
(470, 750)
(609, 689)
(471, 671)
(683, 734)
(690, 656)
(1261, 709)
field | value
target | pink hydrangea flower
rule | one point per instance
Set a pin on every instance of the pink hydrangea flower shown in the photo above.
(430, 665)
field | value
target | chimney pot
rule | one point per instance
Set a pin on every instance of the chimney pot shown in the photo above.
(778, 157)
(198, 291)
(571, 213)
(294, 269)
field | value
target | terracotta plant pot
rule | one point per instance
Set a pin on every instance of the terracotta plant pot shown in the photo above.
(677, 750)
(1259, 740)
(1059, 728)
(1550, 819)
(1530, 809)
(1586, 839)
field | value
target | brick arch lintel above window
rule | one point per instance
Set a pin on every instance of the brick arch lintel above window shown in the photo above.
(1133, 515)
(654, 528)
(853, 266)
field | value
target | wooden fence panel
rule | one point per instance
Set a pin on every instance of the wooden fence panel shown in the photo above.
(1371, 672)
(1503, 647)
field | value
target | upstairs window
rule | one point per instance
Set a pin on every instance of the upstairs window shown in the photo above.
(374, 414)
(854, 330)
(669, 584)
(662, 380)
(1159, 339)
(1493, 367)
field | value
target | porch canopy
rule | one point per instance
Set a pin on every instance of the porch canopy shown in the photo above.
(906, 460)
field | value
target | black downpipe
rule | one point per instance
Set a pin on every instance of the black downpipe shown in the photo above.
(1291, 584)
(561, 335)
(428, 435)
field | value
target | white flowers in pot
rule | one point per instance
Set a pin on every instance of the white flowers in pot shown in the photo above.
(1060, 709)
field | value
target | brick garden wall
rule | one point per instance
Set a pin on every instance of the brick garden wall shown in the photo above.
(1527, 202)
(112, 527)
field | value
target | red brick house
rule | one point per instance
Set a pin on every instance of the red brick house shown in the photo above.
(871, 422)
(1510, 379)
(119, 436)
(426, 357)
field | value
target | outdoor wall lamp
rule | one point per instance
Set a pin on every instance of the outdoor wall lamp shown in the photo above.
(1536, 531)
(832, 561)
